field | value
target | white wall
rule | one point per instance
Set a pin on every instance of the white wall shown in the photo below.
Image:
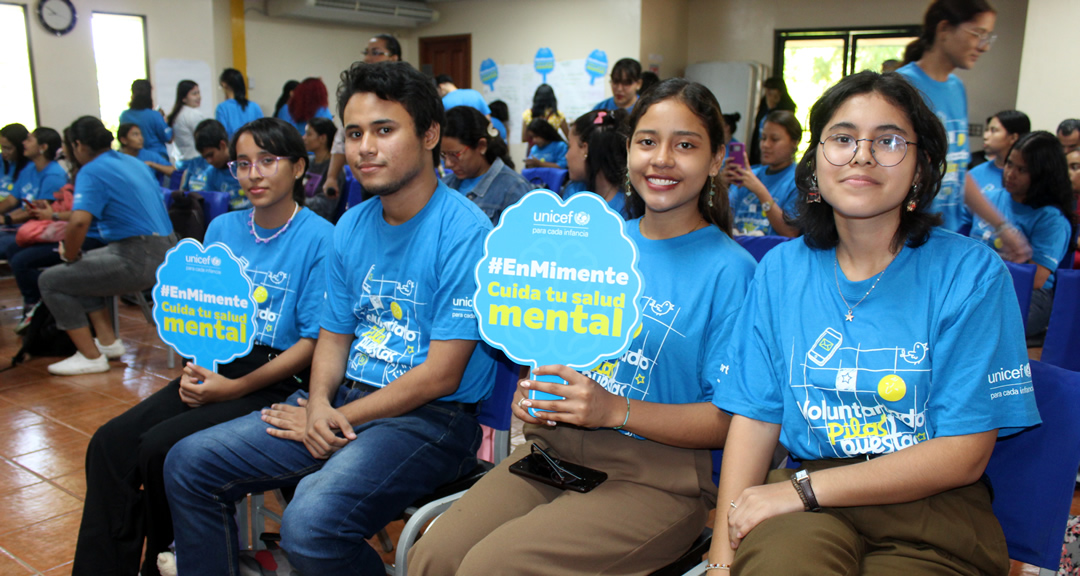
(1048, 83)
(744, 30)
(65, 76)
(663, 36)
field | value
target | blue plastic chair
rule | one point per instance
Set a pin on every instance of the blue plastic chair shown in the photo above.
(1062, 347)
(550, 178)
(176, 179)
(758, 246)
(1034, 472)
(1023, 276)
(215, 204)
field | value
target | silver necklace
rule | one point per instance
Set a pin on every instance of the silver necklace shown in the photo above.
(251, 223)
(850, 316)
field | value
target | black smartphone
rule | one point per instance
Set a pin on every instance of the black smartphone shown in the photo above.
(560, 474)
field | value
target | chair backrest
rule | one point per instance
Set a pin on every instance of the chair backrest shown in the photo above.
(1062, 347)
(1023, 276)
(215, 204)
(495, 411)
(758, 246)
(550, 178)
(176, 179)
(1034, 472)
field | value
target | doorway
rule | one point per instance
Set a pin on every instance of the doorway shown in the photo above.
(451, 55)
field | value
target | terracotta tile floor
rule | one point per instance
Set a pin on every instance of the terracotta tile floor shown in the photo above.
(45, 424)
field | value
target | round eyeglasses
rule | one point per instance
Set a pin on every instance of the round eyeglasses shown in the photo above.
(266, 166)
(887, 150)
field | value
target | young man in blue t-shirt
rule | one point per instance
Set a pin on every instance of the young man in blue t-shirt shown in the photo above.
(211, 172)
(397, 370)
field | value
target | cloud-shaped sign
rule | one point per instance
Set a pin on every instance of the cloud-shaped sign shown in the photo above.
(558, 283)
(204, 303)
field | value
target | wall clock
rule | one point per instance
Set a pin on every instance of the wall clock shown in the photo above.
(57, 16)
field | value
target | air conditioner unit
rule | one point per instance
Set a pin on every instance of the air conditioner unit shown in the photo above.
(388, 13)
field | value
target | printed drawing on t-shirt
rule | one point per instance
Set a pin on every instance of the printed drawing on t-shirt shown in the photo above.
(862, 400)
(631, 374)
(389, 334)
(271, 293)
(956, 161)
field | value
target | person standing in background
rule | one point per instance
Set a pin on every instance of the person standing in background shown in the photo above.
(183, 119)
(151, 122)
(236, 110)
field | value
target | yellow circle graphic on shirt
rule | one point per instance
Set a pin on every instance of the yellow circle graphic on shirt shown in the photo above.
(638, 331)
(260, 294)
(395, 309)
(891, 388)
(997, 243)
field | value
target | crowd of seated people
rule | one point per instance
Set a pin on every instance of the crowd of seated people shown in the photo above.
(361, 428)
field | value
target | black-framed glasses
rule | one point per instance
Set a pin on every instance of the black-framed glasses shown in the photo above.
(986, 39)
(266, 166)
(888, 149)
(558, 473)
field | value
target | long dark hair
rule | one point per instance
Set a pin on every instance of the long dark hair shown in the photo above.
(544, 129)
(324, 127)
(605, 133)
(16, 134)
(470, 126)
(286, 93)
(91, 132)
(955, 12)
(703, 104)
(1013, 121)
(279, 138)
(141, 98)
(816, 220)
(232, 78)
(182, 90)
(51, 139)
(307, 99)
(1049, 172)
(544, 102)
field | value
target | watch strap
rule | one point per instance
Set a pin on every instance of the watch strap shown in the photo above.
(801, 481)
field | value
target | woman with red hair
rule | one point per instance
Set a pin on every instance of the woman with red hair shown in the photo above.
(308, 101)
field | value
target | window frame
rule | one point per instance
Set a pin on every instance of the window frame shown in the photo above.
(30, 60)
(850, 36)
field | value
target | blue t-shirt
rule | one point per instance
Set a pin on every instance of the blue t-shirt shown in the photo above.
(988, 177)
(937, 349)
(34, 185)
(122, 197)
(617, 203)
(232, 117)
(554, 152)
(1048, 232)
(411, 284)
(283, 114)
(145, 155)
(749, 219)
(499, 127)
(201, 175)
(290, 268)
(466, 97)
(154, 130)
(694, 287)
(948, 100)
(609, 104)
(8, 177)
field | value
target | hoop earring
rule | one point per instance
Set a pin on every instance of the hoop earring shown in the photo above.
(812, 195)
(712, 189)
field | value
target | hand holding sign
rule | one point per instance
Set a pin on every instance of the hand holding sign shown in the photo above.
(204, 303)
(558, 283)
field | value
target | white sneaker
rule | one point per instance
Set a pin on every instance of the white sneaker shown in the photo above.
(79, 364)
(112, 351)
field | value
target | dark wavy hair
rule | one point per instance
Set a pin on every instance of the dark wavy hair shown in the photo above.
(955, 12)
(183, 88)
(703, 104)
(91, 132)
(544, 129)
(607, 146)
(397, 82)
(816, 220)
(324, 127)
(286, 93)
(470, 126)
(16, 134)
(141, 98)
(279, 138)
(544, 102)
(1049, 172)
(234, 79)
(307, 99)
(50, 138)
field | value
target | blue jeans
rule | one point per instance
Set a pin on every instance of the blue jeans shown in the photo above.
(339, 502)
(27, 264)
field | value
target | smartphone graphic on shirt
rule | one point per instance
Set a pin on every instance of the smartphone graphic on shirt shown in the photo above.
(825, 346)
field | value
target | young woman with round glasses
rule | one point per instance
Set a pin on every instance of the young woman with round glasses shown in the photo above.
(285, 246)
(869, 349)
(480, 162)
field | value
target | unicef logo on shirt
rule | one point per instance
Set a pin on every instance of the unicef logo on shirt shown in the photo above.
(581, 218)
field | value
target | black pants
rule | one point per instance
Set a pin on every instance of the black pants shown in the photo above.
(129, 452)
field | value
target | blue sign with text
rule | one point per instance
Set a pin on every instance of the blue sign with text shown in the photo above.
(489, 73)
(596, 65)
(204, 303)
(558, 283)
(544, 63)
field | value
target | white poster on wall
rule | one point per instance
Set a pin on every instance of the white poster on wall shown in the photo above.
(517, 83)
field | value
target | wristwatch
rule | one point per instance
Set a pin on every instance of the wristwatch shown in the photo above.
(801, 480)
(766, 207)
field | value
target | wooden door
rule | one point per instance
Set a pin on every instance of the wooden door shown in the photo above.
(448, 55)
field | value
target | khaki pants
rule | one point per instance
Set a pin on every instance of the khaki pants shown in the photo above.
(952, 533)
(653, 505)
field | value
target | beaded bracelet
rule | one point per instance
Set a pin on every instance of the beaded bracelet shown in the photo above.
(718, 567)
(627, 419)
